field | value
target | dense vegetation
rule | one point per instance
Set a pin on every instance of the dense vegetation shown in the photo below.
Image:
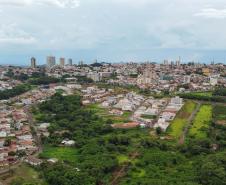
(23, 76)
(217, 95)
(37, 79)
(220, 92)
(100, 152)
(43, 80)
(72, 121)
(203, 97)
(218, 127)
(15, 91)
(84, 80)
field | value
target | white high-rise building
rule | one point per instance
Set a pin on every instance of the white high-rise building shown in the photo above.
(62, 61)
(166, 62)
(50, 61)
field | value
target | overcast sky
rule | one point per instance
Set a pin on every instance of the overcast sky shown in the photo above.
(112, 30)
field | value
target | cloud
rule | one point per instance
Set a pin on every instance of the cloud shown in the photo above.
(212, 13)
(17, 40)
(56, 3)
(11, 34)
(108, 24)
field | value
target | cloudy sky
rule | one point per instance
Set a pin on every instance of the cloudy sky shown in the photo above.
(112, 30)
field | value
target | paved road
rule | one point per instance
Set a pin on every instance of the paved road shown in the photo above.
(32, 123)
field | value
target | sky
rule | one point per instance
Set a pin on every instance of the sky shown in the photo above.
(112, 30)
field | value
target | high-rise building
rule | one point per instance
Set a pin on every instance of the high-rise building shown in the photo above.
(177, 62)
(166, 62)
(33, 62)
(172, 64)
(62, 61)
(50, 61)
(80, 63)
(70, 62)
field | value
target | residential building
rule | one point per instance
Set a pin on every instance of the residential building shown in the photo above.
(33, 62)
(50, 61)
(62, 61)
(70, 62)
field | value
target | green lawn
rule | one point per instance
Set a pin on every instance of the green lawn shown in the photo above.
(148, 116)
(201, 94)
(176, 127)
(61, 153)
(201, 122)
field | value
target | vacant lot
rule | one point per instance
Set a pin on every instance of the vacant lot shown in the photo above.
(23, 174)
(61, 153)
(201, 122)
(104, 113)
(177, 125)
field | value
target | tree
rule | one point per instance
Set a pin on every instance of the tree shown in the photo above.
(211, 173)
(7, 142)
(109, 122)
(158, 131)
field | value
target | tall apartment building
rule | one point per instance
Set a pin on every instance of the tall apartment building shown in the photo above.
(178, 63)
(62, 61)
(70, 62)
(33, 62)
(80, 63)
(50, 61)
(166, 62)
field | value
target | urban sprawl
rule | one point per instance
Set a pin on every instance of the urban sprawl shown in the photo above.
(149, 93)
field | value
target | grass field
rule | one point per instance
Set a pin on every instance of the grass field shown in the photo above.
(61, 153)
(148, 116)
(177, 125)
(103, 112)
(201, 122)
(201, 94)
(24, 174)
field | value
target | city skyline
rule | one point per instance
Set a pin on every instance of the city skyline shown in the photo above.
(90, 57)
